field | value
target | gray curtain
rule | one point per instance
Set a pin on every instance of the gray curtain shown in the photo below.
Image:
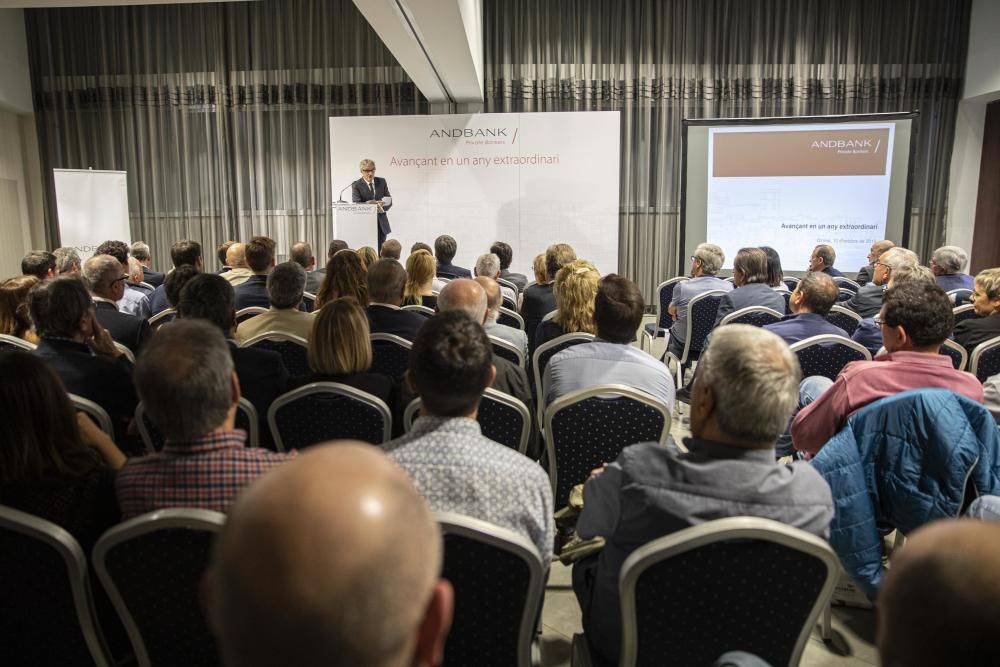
(660, 61)
(219, 112)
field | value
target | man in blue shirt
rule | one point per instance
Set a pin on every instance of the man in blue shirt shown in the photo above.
(822, 259)
(810, 302)
(705, 263)
(948, 263)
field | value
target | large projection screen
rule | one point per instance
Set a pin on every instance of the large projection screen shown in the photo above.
(530, 179)
(795, 183)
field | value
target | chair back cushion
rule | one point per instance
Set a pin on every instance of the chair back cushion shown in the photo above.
(323, 416)
(389, 359)
(842, 320)
(988, 363)
(500, 422)
(510, 321)
(827, 359)
(294, 356)
(701, 315)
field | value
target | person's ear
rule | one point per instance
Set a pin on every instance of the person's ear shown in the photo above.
(409, 383)
(434, 626)
(702, 406)
(493, 375)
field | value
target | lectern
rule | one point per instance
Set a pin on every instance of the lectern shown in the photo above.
(356, 224)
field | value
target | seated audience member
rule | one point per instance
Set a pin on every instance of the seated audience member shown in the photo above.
(368, 256)
(107, 284)
(260, 259)
(539, 300)
(469, 297)
(867, 332)
(916, 318)
(302, 254)
(866, 272)
(328, 583)
(455, 467)
(419, 291)
(335, 246)
(488, 266)
(262, 373)
(940, 601)
(181, 253)
(515, 337)
(14, 317)
(948, 262)
(986, 300)
(132, 298)
(386, 281)
(506, 255)
(445, 248)
(705, 263)
(822, 259)
(775, 274)
(80, 350)
(54, 462)
(221, 253)
(344, 277)
(744, 392)
(186, 381)
(575, 288)
(135, 282)
(339, 351)
(175, 281)
(67, 261)
(391, 249)
(750, 278)
(236, 259)
(810, 302)
(285, 286)
(39, 263)
(610, 358)
(868, 300)
(421, 246)
(141, 252)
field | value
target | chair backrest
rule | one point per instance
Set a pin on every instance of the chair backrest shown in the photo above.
(757, 316)
(664, 295)
(444, 275)
(740, 583)
(966, 312)
(827, 355)
(985, 360)
(510, 318)
(730, 280)
(125, 351)
(791, 282)
(702, 311)
(152, 438)
(309, 301)
(390, 354)
(502, 418)
(151, 567)
(959, 357)
(508, 351)
(587, 428)
(508, 303)
(323, 411)
(787, 296)
(422, 310)
(244, 314)
(844, 294)
(162, 317)
(47, 616)
(294, 350)
(843, 282)
(544, 352)
(143, 283)
(959, 295)
(549, 315)
(96, 413)
(8, 342)
(845, 318)
(506, 283)
(495, 616)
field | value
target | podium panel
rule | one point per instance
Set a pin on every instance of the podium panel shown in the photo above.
(356, 224)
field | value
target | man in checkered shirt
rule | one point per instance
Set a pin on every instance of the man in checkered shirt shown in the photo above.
(186, 380)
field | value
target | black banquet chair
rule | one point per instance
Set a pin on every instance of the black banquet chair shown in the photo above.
(702, 311)
(985, 360)
(323, 411)
(294, 350)
(152, 438)
(845, 318)
(757, 316)
(14, 343)
(502, 418)
(658, 329)
(828, 354)
(390, 355)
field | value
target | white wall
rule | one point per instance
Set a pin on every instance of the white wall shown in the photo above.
(15, 84)
(982, 71)
(14, 227)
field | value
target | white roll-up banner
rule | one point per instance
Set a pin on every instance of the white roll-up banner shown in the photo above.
(92, 207)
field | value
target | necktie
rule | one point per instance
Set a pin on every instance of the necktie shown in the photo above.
(372, 186)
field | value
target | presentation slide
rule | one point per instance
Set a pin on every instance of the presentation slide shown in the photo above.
(795, 186)
(528, 179)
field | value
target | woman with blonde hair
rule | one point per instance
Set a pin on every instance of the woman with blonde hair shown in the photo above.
(539, 299)
(575, 290)
(345, 276)
(368, 256)
(986, 301)
(420, 270)
(14, 318)
(340, 351)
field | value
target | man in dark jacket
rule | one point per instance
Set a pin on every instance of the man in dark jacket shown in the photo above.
(107, 285)
(386, 282)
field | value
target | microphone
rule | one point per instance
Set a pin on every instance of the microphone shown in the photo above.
(340, 198)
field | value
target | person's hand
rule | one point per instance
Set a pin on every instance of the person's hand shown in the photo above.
(596, 472)
(102, 342)
(98, 440)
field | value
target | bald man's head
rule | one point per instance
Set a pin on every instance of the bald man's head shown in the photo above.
(940, 602)
(236, 256)
(465, 295)
(332, 559)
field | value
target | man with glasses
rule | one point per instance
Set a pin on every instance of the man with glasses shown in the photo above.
(915, 320)
(705, 263)
(868, 300)
(865, 272)
(375, 190)
(107, 285)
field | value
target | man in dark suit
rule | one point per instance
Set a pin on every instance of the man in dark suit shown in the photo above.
(445, 248)
(868, 301)
(368, 188)
(181, 253)
(107, 285)
(260, 259)
(506, 255)
(386, 281)
(302, 254)
(810, 302)
(140, 251)
(822, 259)
(335, 246)
(262, 373)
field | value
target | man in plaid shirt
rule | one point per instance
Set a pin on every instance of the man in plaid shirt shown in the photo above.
(186, 380)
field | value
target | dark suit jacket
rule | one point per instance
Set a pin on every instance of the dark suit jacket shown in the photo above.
(832, 272)
(252, 293)
(402, 323)
(751, 294)
(362, 192)
(517, 278)
(154, 303)
(313, 280)
(129, 330)
(975, 330)
(263, 378)
(154, 278)
(539, 301)
(864, 275)
(795, 328)
(868, 301)
(513, 381)
(453, 270)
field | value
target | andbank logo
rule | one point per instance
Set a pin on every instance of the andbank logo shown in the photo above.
(469, 133)
(848, 145)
